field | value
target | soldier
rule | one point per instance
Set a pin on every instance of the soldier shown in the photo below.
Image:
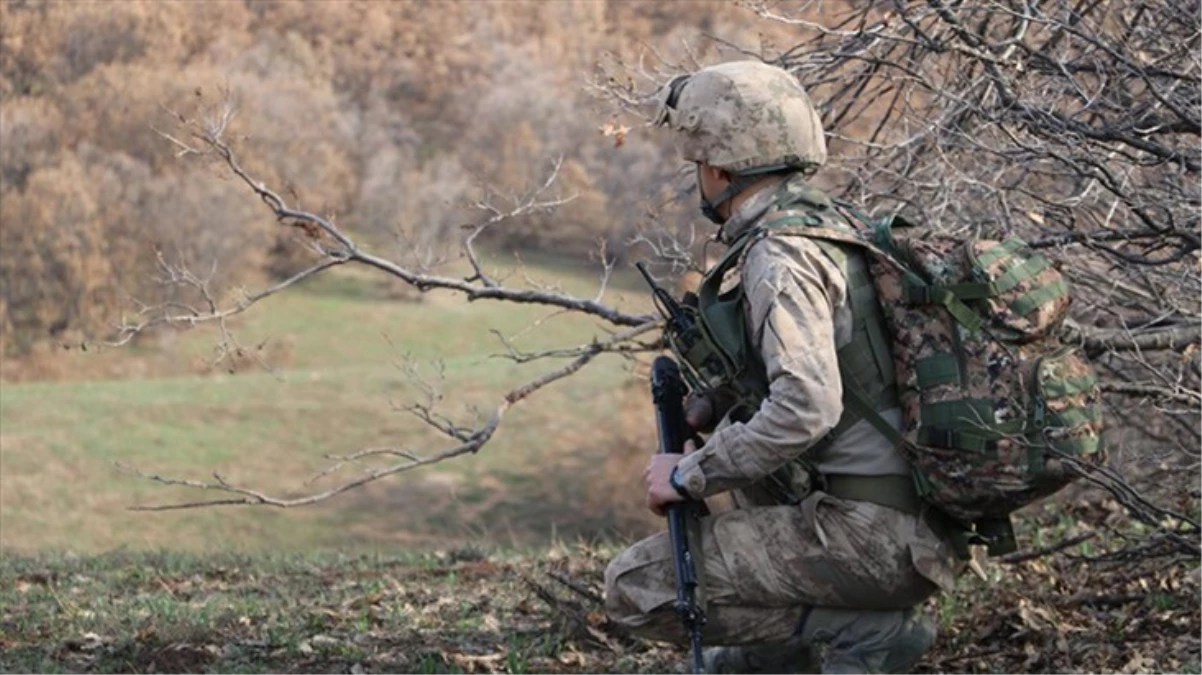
(829, 550)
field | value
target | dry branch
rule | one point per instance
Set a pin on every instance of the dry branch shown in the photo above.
(338, 248)
(472, 443)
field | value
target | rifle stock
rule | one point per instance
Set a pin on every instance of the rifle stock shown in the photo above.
(668, 391)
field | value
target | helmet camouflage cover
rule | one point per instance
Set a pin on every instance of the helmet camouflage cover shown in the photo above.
(745, 117)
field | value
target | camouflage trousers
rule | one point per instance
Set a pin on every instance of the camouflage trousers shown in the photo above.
(766, 569)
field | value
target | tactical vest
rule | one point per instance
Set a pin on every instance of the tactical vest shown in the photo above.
(723, 358)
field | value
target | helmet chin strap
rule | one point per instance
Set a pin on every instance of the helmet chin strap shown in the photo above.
(709, 209)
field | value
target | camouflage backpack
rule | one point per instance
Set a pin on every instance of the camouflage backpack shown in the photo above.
(991, 399)
(962, 336)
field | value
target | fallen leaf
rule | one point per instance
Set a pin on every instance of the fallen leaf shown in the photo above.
(1035, 617)
(322, 641)
(572, 658)
(1137, 664)
(616, 130)
(605, 639)
(1189, 351)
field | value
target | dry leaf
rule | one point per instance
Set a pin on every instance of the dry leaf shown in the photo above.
(1137, 664)
(1035, 617)
(616, 130)
(604, 639)
(1189, 351)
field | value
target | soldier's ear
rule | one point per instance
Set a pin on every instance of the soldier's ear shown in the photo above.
(713, 174)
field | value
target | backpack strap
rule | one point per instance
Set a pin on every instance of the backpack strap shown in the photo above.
(866, 362)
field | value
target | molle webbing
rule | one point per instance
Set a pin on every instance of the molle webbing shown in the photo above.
(866, 362)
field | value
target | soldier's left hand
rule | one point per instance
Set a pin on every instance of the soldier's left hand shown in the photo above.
(660, 492)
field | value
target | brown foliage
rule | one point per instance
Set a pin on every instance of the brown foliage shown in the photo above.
(389, 115)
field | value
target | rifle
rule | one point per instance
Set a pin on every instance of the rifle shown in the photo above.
(680, 324)
(671, 310)
(668, 390)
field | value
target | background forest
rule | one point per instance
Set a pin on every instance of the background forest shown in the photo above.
(387, 114)
(405, 125)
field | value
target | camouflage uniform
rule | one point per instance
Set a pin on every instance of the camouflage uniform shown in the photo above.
(842, 572)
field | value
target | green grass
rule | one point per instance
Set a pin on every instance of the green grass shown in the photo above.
(499, 611)
(172, 612)
(334, 393)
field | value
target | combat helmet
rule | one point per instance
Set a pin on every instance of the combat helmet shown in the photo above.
(746, 117)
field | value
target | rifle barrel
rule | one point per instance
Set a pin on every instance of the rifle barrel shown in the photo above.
(667, 390)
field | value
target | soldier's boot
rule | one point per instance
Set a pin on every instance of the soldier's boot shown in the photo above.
(791, 656)
(861, 641)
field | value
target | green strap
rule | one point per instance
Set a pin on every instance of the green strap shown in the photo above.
(1073, 417)
(896, 492)
(959, 414)
(790, 220)
(1077, 447)
(972, 291)
(882, 235)
(1069, 386)
(917, 293)
(913, 293)
(867, 361)
(855, 212)
(1036, 457)
(961, 440)
(1037, 297)
(1007, 247)
(1021, 272)
(854, 401)
(937, 369)
(882, 353)
(960, 312)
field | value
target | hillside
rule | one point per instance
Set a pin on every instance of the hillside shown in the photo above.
(339, 349)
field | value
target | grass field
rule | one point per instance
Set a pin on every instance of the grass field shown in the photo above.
(474, 609)
(334, 391)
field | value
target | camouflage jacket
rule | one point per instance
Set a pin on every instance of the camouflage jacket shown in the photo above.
(798, 316)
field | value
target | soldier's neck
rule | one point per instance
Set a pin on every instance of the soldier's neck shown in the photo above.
(749, 205)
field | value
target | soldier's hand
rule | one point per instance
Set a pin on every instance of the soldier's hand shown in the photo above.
(699, 411)
(660, 492)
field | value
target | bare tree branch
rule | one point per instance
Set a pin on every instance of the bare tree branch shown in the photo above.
(472, 442)
(1098, 340)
